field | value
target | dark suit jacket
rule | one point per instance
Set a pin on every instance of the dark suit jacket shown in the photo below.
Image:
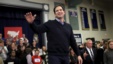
(88, 59)
(99, 57)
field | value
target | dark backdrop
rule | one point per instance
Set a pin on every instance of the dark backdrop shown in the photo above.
(14, 17)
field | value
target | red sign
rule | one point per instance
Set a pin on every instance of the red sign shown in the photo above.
(13, 31)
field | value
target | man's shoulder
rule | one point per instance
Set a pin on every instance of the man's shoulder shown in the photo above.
(49, 22)
(67, 23)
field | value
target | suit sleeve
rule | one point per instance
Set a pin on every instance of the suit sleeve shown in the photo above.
(39, 28)
(73, 44)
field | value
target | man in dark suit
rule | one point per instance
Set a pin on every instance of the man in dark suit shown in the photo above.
(59, 36)
(89, 53)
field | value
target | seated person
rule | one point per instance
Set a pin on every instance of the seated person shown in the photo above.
(36, 59)
(12, 59)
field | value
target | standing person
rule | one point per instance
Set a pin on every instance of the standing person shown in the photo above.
(28, 55)
(89, 53)
(36, 59)
(12, 59)
(108, 54)
(59, 36)
(3, 50)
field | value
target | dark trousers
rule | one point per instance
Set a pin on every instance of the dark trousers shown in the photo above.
(58, 59)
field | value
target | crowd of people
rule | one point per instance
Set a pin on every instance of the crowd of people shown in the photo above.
(21, 52)
(95, 52)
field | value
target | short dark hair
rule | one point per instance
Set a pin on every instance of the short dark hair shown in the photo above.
(57, 6)
(36, 50)
(28, 50)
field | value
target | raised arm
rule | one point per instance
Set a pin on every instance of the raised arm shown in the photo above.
(30, 17)
(36, 28)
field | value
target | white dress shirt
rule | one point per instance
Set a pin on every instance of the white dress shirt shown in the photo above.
(90, 53)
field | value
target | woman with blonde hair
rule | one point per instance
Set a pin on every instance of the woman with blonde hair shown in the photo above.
(108, 54)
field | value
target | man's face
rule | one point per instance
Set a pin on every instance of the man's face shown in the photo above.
(59, 12)
(44, 48)
(89, 44)
(37, 53)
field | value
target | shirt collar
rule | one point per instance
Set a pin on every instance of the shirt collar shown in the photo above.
(59, 21)
(88, 48)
